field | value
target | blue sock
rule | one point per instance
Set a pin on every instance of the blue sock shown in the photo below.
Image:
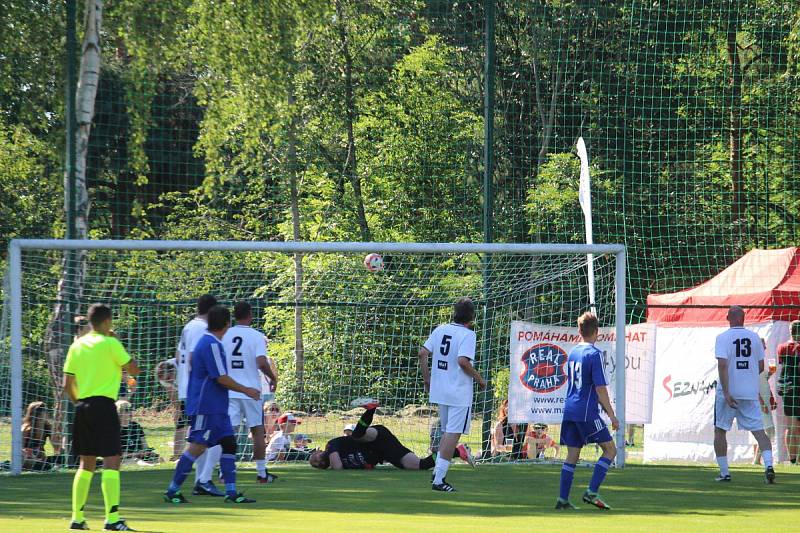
(599, 474)
(182, 469)
(567, 473)
(227, 463)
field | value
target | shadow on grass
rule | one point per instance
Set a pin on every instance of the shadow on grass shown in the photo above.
(489, 491)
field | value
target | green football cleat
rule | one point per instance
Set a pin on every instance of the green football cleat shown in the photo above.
(239, 498)
(176, 498)
(594, 499)
(565, 504)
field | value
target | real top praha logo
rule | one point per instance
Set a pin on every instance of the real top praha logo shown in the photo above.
(543, 368)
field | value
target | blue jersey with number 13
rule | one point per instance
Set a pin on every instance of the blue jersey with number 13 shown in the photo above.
(584, 373)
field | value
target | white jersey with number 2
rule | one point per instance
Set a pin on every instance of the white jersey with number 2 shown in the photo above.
(450, 385)
(243, 345)
(743, 350)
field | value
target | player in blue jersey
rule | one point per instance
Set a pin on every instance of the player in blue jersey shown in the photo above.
(586, 387)
(207, 408)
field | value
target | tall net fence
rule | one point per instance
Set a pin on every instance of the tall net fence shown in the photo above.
(361, 332)
(369, 120)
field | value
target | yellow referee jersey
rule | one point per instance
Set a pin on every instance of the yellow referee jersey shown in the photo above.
(96, 361)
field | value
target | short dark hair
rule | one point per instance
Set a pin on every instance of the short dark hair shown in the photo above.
(463, 311)
(795, 327)
(242, 310)
(204, 303)
(218, 318)
(98, 313)
(588, 324)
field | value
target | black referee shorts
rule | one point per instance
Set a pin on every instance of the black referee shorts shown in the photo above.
(95, 429)
(389, 447)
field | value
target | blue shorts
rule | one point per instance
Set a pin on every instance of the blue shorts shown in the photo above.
(579, 434)
(209, 429)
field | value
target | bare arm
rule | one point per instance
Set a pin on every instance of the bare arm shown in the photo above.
(132, 368)
(230, 384)
(722, 367)
(335, 460)
(605, 403)
(263, 365)
(71, 387)
(423, 355)
(466, 366)
(761, 367)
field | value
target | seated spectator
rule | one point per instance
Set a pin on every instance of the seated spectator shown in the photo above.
(36, 429)
(506, 438)
(300, 441)
(272, 411)
(280, 445)
(134, 445)
(347, 430)
(537, 442)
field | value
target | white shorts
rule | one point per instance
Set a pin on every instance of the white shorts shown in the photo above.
(747, 414)
(455, 419)
(247, 408)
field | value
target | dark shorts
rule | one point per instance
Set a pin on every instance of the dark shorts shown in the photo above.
(95, 428)
(579, 434)
(389, 447)
(791, 403)
(183, 420)
(209, 429)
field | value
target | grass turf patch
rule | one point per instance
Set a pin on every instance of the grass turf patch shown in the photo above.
(490, 498)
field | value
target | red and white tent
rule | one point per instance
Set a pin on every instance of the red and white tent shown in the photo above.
(767, 284)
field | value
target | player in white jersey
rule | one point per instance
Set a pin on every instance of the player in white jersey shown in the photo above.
(740, 360)
(191, 333)
(449, 381)
(246, 350)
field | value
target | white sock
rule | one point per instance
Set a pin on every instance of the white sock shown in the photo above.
(440, 470)
(723, 465)
(212, 459)
(198, 466)
(261, 467)
(767, 456)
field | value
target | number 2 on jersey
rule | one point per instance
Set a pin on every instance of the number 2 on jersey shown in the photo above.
(237, 349)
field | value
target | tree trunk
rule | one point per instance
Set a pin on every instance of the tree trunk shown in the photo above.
(299, 350)
(350, 165)
(735, 132)
(70, 286)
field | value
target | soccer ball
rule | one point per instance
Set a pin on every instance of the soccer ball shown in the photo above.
(373, 262)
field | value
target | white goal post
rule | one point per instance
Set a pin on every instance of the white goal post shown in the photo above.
(615, 252)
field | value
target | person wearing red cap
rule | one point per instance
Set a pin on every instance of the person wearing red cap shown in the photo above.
(280, 445)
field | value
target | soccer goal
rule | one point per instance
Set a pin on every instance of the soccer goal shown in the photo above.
(343, 320)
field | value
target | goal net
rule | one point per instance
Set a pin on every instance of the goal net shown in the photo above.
(336, 330)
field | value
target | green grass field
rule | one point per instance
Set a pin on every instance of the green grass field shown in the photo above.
(490, 498)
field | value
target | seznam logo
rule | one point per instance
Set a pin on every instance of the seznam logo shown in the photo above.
(685, 388)
(543, 368)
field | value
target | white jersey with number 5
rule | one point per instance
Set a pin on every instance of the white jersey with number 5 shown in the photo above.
(743, 350)
(190, 334)
(243, 345)
(450, 385)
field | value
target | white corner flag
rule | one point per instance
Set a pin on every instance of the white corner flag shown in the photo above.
(585, 198)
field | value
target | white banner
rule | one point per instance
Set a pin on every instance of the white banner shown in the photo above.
(537, 385)
(683, 405)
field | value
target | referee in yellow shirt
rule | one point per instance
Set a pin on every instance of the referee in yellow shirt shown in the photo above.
(92, 374)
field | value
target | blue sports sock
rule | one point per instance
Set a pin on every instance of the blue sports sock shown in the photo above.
(599, 474)
(567, 473)
(227, 463)
(182, 469)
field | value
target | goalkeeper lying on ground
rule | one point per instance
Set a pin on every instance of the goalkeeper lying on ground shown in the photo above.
(370, 446)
